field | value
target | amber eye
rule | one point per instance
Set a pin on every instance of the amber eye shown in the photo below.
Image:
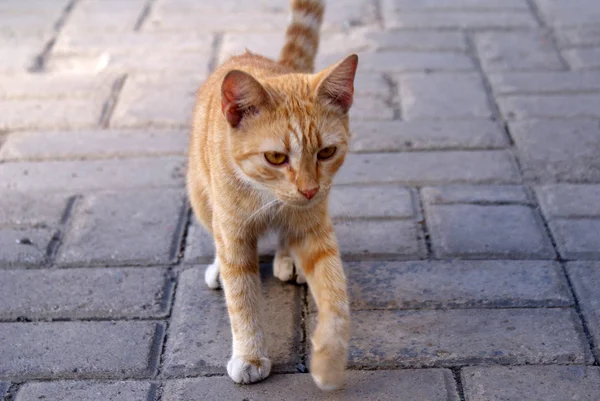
(326, 153)
(276, 158)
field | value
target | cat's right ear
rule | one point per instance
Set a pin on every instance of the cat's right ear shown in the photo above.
(241, 96)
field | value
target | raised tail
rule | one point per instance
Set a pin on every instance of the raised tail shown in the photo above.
(302, 35)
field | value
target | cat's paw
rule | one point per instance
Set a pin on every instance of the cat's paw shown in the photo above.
(245, 372)
(211, 276)
(327, 370)
(283, 267)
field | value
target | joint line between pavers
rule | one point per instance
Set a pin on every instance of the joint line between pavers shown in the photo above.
(458, 382)
(143, 17)
(167, 325)
(111, 103)
(178, 241)
(393, 98)
(216, 46)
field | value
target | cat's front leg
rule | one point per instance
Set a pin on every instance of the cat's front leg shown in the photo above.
(318, 255)
(238, 263)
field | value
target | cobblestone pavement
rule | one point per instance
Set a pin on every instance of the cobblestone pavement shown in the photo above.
(468, 213)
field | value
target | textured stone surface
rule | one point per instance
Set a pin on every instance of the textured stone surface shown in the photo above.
(544, 82)
(412, 385)
(128, 227)
(587, 35)
(87, 391)
(553, 151)
(25, 208)
(371, 108)
(429, 168)
(79, 349)
(24, 246)
(3, 388)
(199, 338)
(442, 96)
(55, 86)
(550, 107)
(569, 200)
(577, 238)
(486, 231)
(84, 293)
(470, 336)
(480, 194)
(387, 136)
(583, 59)
(585, 277)
(371, 201)
(531, 383)
(572, 13)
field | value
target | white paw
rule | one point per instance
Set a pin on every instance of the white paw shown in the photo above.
(244, 372)
(283, 267)
(300, 277)
(211, 276)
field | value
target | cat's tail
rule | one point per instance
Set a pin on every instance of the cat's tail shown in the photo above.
(302, 35)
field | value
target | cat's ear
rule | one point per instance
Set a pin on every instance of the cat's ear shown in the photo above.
(336, 87)
(241, 95)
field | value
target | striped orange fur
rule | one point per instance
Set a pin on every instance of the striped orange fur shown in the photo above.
(267, 139)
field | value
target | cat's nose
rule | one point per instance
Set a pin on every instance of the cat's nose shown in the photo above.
(309, 193)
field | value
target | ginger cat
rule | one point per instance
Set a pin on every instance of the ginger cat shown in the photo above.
(267, 139)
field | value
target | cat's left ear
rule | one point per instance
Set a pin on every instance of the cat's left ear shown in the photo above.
(242, 96)
(336, 87)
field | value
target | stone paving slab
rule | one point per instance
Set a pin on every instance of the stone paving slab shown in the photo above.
(583, 59)
(114, 16)
(199, 337)
(531, 383)
(385, 339)
(577, 238)
(569, 200)
(467, 19)
(550, 107)
(403, 136)
(586, 35)
(108, 293)
(20, 209)
(123, 228)
(371, 108)
(3, 388)
(74, 176)
(93, 144)
(87, 391)
(544, 82)
(55, 86)
(79, 349)
(24, 246)
(382, 385)
(384, 201)
(564, 14)
(476, 194)
(586, 282)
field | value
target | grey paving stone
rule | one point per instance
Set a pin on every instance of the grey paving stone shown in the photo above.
(585, 277)
(583, 59)
(553, 151)
(577, 238)
(386, 136)
(543, 82)
(385, 339)
(479, 194)
(24, 246)
(371, 108)
(3, 388)
(19, 54)
(572, 13)
(199, 246)
(199, 338)
(71, 176)
(456, 284)
(371, 201)
(87, 391)
(114, 16)
(55, 86)
(443, 96)
(533, 50)
(531, 383)
(381, 385)
(84, 293)
(137, 227)
(25, 209)
(550, 107)
(456, 5)
(62, 350)
(579, 36)
(486, 231)
(569, 200)
(93, 144)
(377, 239)
(429, 168)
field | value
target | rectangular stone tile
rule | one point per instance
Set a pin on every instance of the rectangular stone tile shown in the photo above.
(138, 227)
(377, 239)
(391, 136)
(4, 388)
(199, 338)
(551, 107)
(531, 383)
(55, 86)
(543, 82)
(388, 201)
(534, 50)
(251, 21)
(71, 176)
(583, 59)
(569, 200)
(25, 208)
(380, 385)
(93, 144)
(429, 168)
(24, 246)
(84, 293)
(585, 277)
(577, 238)
(479, 194)
(79, 349)
(467, 19)
(587, 35)
(87, 391)
(385, 339)
(115, 16)
(571, 13)
(456, 284)
(553, 151)
(456, 5)
(443, 96)
(371, 108)
(486, 231)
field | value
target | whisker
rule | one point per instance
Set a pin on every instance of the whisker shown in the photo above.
(263, 207)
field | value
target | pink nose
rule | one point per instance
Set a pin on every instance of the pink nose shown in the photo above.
(309, 193)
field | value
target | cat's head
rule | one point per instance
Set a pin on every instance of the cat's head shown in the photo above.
(289, 134)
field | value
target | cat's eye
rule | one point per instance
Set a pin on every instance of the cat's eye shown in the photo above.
(276, 158)
(326, 153)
